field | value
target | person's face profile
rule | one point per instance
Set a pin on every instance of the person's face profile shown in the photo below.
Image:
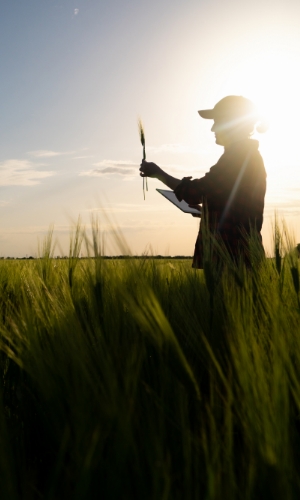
(220, 129)
(228, 131)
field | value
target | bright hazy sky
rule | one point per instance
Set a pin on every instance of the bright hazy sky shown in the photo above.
(77, 74)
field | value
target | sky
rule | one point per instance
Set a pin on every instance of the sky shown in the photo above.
(77, 74)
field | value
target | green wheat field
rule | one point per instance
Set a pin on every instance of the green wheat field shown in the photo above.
(147, 379)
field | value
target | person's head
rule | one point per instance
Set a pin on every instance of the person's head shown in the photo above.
(235, 118)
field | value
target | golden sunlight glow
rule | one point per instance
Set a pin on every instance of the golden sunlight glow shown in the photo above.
(272, 81)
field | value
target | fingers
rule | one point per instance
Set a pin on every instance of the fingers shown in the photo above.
(142, 164)
(142, 168)
(148, 169)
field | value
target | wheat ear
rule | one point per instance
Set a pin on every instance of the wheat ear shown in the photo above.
(142, 137)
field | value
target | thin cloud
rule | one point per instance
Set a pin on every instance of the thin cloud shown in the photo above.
(44, 153)
(76, 12)
(129, 169)
(169, 148)
(21, 173)
(81, 157)
(115, 163)
(112, 167)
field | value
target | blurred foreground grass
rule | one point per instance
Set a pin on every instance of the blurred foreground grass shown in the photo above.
(147, 379)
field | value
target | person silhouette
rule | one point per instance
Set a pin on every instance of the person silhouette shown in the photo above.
(232, 192)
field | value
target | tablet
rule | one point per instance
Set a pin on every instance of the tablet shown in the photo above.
(182, 205)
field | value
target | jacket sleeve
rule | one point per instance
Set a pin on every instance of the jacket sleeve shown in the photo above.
(239, 176)
(193, 191)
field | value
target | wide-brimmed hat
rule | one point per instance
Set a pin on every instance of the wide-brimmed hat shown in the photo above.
(231, 107)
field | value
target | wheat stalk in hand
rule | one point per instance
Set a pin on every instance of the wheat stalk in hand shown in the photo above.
(142, 137)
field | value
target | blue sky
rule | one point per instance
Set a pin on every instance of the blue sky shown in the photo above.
(77, 74)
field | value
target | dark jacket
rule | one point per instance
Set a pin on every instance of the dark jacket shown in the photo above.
(232, 194)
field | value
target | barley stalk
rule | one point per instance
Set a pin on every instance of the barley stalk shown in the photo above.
(142, 137)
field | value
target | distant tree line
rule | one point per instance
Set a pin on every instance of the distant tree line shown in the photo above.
(122, 257)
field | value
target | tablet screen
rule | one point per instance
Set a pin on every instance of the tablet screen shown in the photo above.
(182, 205)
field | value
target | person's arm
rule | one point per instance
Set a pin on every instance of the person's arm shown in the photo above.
(149, 169)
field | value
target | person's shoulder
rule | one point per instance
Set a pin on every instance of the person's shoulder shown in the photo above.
(243, 146)
(248, 148)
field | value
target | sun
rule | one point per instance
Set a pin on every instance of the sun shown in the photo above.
(271, 79)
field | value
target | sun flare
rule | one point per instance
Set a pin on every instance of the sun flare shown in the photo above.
(272, 80)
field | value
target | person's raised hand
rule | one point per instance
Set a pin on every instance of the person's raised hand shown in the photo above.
(149, 169)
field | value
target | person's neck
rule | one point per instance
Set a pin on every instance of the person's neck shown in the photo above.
(234, 142)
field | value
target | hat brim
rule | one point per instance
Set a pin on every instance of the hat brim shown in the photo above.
(207, 113)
